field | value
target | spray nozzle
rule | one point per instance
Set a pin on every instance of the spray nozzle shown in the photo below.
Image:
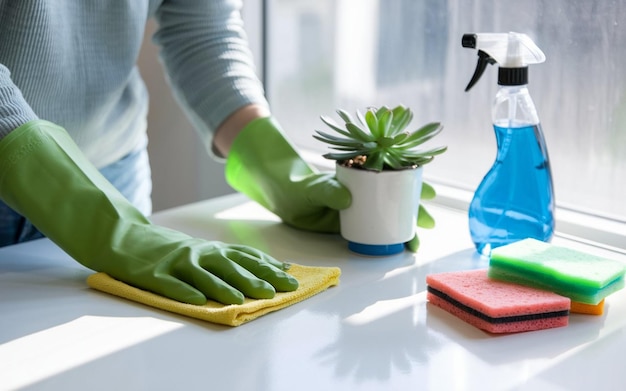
(509, 50)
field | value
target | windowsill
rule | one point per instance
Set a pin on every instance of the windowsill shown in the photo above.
(582, 227)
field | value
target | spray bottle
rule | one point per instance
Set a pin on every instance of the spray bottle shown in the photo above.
(515, 199)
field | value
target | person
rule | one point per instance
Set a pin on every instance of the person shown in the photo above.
(73, 158)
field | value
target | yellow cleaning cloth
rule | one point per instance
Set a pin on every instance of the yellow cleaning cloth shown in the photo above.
(312, 280)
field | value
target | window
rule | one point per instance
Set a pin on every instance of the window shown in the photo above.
(328, 54)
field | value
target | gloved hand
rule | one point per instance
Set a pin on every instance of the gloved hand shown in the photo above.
(45, 177)
(263, 165)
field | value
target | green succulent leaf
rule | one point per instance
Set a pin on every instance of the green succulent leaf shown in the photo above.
(331, 124)
(399, 138)
(428, 192)
(358, 133)
(422, 135)
(345, 116)
(342, 156)
(384, 123)
(420, 161)
(335, 140)
(381, 110)
(427, 152)
(401, 118)
(375, 161)
(372, 121)
(361, 118)
(424, 219)
(394, 161)
(385, 142)
(413, 245)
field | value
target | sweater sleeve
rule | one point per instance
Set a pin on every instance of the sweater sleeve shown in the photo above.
(208, 63)
(14, 111)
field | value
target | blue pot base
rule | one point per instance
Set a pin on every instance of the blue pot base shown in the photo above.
(376, 249)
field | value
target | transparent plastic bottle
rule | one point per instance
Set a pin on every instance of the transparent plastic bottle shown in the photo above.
(515, 199)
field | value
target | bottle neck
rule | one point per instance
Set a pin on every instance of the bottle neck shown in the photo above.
(513, 76)
(513, 107)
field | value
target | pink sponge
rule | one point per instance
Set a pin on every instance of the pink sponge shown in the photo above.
(496, 306)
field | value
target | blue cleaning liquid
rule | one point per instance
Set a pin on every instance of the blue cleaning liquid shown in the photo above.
(515, 200)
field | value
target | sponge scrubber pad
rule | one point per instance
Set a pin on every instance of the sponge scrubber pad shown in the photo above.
(582, 277)
(495, 306)
(589, 309)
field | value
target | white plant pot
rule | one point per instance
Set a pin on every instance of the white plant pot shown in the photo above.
(383, 213)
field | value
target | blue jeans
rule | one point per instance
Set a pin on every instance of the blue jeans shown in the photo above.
(130, 175)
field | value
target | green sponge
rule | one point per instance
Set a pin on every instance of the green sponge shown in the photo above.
(582, 277)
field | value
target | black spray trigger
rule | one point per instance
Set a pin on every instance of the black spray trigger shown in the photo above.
(484, 59)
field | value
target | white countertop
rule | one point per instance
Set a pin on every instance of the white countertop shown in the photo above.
(375, 331)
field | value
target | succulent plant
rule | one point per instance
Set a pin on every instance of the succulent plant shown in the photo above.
(379, 140)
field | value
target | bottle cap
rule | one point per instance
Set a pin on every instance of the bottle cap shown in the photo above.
(513, 76)
(513, 52)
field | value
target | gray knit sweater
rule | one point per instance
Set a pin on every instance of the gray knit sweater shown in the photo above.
(72, 62)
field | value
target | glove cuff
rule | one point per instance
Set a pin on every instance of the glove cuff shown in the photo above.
(46, 178)
(262, 149)
(17, 146)
(256, 135)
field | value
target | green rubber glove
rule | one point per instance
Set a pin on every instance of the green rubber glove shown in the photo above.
(46, 178)
(263, 165)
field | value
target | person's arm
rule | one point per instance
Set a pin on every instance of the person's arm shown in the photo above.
(208, 63)
(233, 125)
(47, 179)
(14, 111)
